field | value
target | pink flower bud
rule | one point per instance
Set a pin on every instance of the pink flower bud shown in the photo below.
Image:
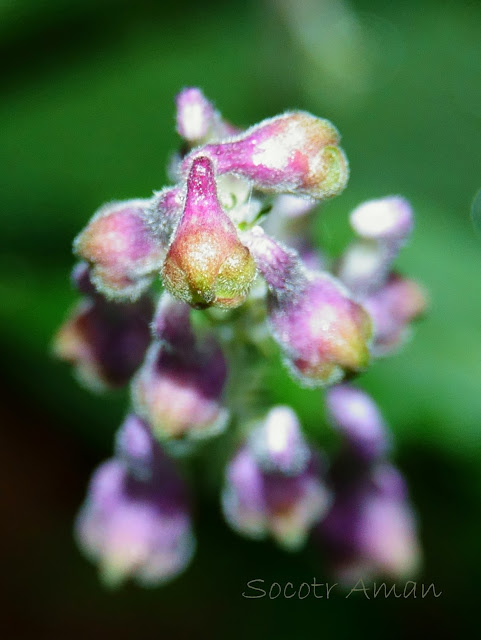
(292, 153)
(122, 250)
(207, 264)
(355, 414)
(106, 341)
(197, 119)
(321, 330)
(392, 308)
(178, 390)
(387, 219)
(136, 528)
(258, 503)
(371, 528)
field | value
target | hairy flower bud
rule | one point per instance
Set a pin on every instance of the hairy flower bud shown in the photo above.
(356, 416)
(392, 308)
(136, 528)
(386, 219)
(122, 250)
(106, 341)
(178, 390)
(292, 153)
(321, 330)
(163, 213)
(278, 443)
(258, 503)
(371, 529)
(197, 119)
(207, 264)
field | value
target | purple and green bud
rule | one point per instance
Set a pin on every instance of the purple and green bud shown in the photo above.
(123, 253)
(357, 418)
(260, 499)
(136, 528)
(179, 389)
(293, 153)
(105, 341)
(322, 331)
(207, 265)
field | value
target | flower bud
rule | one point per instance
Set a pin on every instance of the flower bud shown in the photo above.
(178, 390)
(135, 447)
(387, 219)
(370, 530)
(207, 264)
(321, 330)
(278, 443)
(136, 528)
(105, 341)
(258, 503)
(292, 153)
(197, 119)
(123, 252)
(356, 416)
(392, 308)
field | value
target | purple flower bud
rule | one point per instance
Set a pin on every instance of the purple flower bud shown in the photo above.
(197, 119)
(257, 503)
(392, 308)
(278, 443)
(292, 153)
(321, 330)
(163, 214)
(178, 390)
(207, 264)
(355, 414)
(387, 219)
(122, 250)
(106, 341)
(136, 528)
(371, 529)
(364, 266)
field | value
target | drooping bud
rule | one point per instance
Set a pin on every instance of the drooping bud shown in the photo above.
(292, 153)
(197, 119)
(178, 390)
(322, 331)
(207, 264)
(392, 308)
(105, 341)
(258, 502)
(371, 530)
(136, 528)
(278, 443)
(121, 249)
(356, 416)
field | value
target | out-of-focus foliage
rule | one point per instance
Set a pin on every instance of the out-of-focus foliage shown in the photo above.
(86, 116)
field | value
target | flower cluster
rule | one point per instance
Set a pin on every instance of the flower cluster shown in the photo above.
(186, 294)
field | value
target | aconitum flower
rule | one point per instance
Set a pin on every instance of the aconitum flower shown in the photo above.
(226, 256)
(136, 525)
(261, 498)
(322, 331)
(207, 264)
(123, 253)
(106, 341)
(179, 389)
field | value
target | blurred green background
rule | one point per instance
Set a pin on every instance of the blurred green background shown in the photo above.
(86, 116)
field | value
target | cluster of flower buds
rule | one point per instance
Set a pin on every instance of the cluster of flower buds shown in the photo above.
(182, 293)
